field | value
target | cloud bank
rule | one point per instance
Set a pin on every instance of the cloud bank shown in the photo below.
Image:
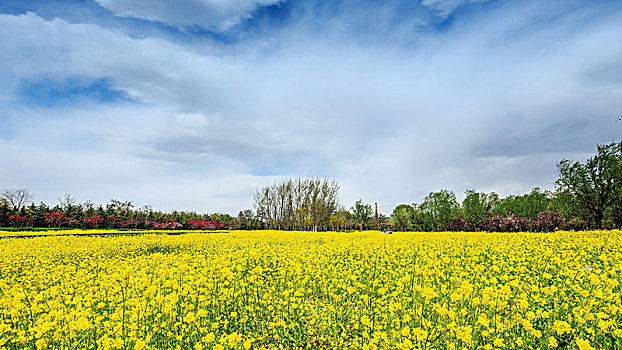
(393, 100)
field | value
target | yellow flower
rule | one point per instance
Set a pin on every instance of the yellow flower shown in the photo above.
(420, 334)
(233, 339)
(209, 337)
(290, 285)
(190, 317)
(119, 343)
(561, 327)
(140, 345)
(405, 331)
(41, 344)
(483, 320)
(202, 313)
(583, 344)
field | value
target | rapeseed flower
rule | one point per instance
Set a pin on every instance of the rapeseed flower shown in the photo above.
(325, 290)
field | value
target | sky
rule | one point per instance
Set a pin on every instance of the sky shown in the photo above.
(194, 104)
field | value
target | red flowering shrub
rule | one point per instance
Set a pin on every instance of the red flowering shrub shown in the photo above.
(127, 223)
(204, 225)
(20, 220)
(93, 221)
(165, 225)
(56, 219)
(112, 221)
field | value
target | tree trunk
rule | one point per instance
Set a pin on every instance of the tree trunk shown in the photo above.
(598, 219)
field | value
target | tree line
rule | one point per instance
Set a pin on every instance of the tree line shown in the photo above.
(587, 195)
(69, 213)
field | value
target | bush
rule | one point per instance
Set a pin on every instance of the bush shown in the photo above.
(508, 223)
(547, 221)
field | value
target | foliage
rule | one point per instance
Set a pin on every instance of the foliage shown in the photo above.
(526, 205)
(567, 205)
(116, 214)
(403, 217)
(439, 209)
(596, 183)
(477, 207)
(342, 220)
(361, 213)
(246, 220)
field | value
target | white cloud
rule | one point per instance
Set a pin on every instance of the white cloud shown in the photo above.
(106, 152)
(213, 14)
(480, 107)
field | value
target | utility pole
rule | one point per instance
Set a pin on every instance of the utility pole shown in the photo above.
(376, 215)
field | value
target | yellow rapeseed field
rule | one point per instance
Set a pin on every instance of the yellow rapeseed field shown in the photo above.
(302, 290)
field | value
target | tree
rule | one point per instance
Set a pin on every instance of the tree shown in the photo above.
(246, 214)
(341, 220)
(403, 216)
(361, 213)
(303, 203)
(122, 208)
(246, 219)
(5, 212)
(568, 206)
(440, 208)
(596, 183)
(17, 198)
(527, 205)
(477, 207)
(68, 202)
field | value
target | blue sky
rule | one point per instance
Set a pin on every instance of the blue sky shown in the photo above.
(192, 104)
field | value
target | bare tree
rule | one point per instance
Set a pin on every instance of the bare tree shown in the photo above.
(16, 198)
(116, 204)
(88, 205)
(302, 203)
(67, 202)
(246, 214)
(145, 209)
